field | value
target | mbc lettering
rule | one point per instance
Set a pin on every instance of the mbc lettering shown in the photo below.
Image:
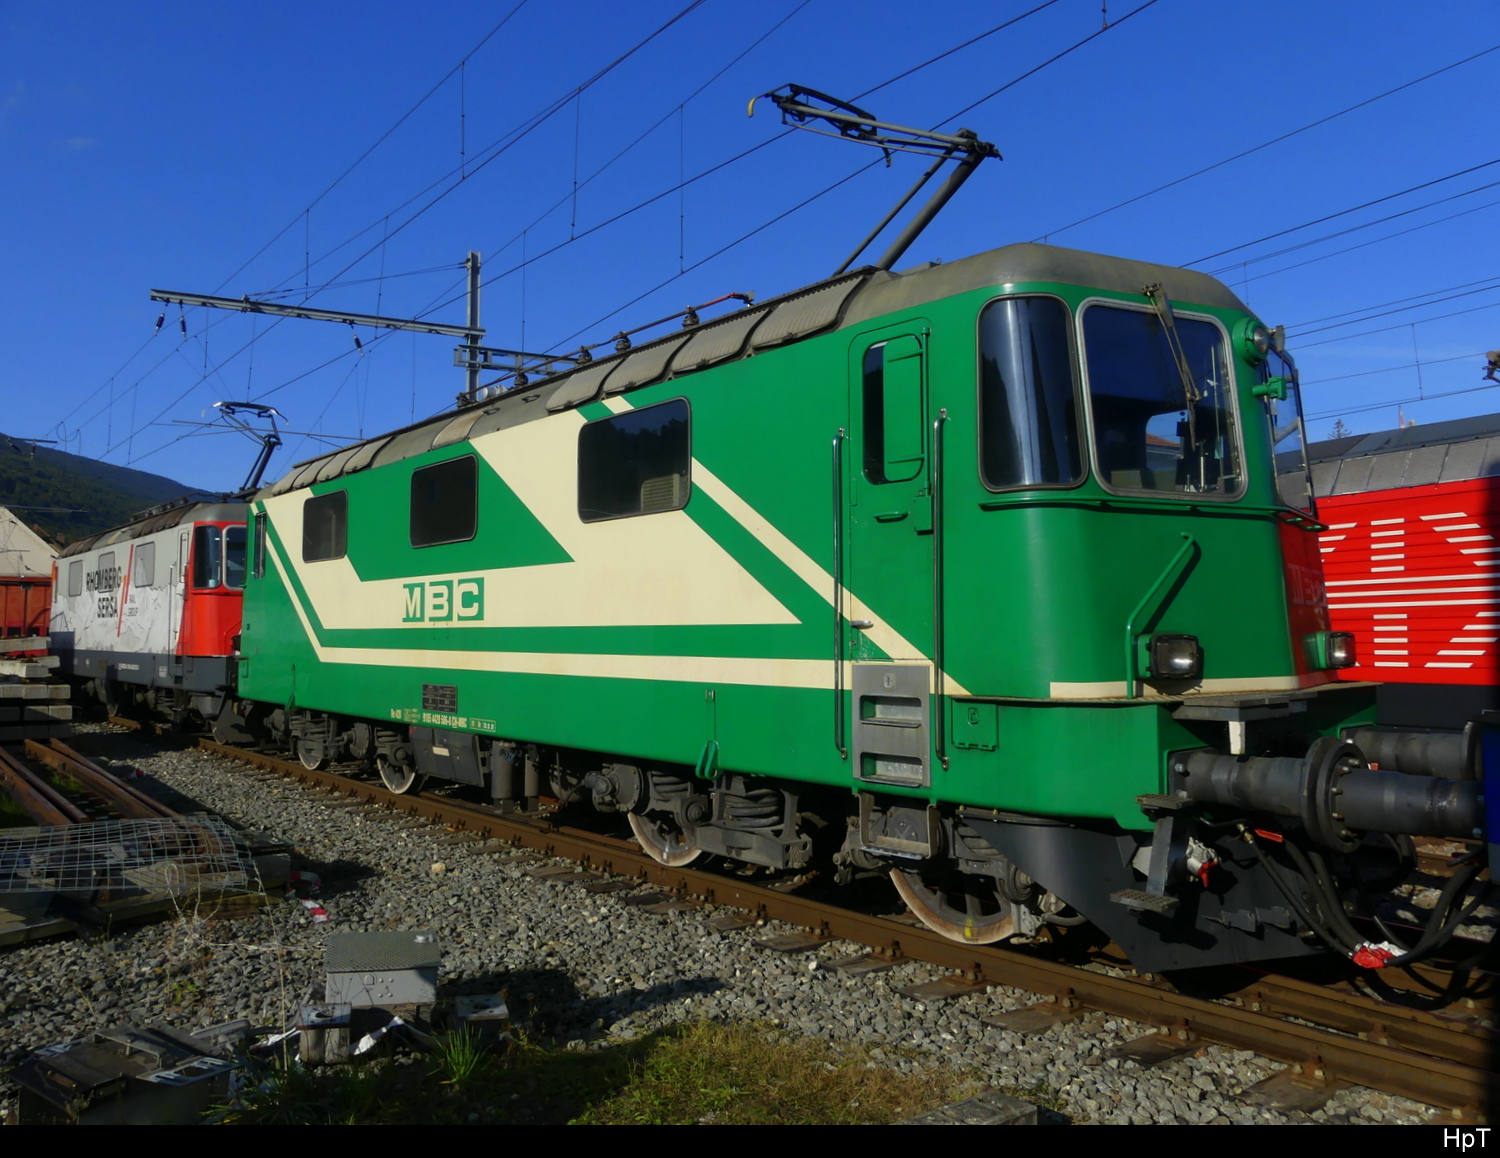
(443, 601)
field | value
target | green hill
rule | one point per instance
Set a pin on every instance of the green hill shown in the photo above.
(85, 496)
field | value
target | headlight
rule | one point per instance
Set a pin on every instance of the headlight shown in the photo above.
(1255, 341)
(1174, 657)
(1336, 649)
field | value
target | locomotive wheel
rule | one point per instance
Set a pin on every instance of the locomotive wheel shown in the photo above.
(663, 841)
(399, 780)
(961, 906)
(114, 699)
(312, 754)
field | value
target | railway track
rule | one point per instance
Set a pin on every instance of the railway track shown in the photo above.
(1328, 1036)
(95, 795)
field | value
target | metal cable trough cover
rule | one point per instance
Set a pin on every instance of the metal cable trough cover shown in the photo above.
(174, 855)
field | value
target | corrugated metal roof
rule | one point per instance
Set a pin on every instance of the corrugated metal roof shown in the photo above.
(1455, 451)
(23, 552)
(1409, 438)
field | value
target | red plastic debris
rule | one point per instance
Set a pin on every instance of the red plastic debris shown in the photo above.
(307, 883)
(1203, 871)
(1374, 955)
(319, 913)
(1269, 835)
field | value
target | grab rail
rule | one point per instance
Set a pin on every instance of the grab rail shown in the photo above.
(1169, 575)
(939, 714)
(838, 594)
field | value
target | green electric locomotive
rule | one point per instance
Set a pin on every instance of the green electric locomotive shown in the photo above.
(982, 574)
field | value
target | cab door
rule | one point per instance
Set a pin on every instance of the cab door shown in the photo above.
(890, 578)
(177, 591)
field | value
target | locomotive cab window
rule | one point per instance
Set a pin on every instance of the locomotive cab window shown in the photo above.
(325, 527)
(144, 572)
(1159, 425)
(892, 403)
(636, 463)
(75, 578)
(207, 558)
(1028, 406)
(445, 502)
(234, 557)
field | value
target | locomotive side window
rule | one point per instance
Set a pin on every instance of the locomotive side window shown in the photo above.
(636, 463)
(1028, 407)
(206, 558)
(893, 426)
(144, 572)
(75, 578)
(1288, 440)
(234, 557)
(445, 502)
(325, 527)
(1154, 431)
(260, 546)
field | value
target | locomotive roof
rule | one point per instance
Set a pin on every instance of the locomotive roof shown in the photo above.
(824, 306)
(1452, 451)
(214, 511)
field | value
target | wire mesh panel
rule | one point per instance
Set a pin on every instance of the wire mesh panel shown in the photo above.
(175, 855)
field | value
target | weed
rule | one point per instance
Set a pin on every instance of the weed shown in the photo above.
(697, 1073)
(462, 1058)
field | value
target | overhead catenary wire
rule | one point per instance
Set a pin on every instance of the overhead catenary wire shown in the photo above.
(682, 182)
(1401, 401)
(1374, 241)
(353, 281)
(781, 216)
(1240, 265)
(485, 39)
(547, 112)
(755, 148)
(1346, 212)
(536, 121)
(1369, 317)
(1386, 329)
(1293, 326)
(1267, 144)
(1391, 369)
(521, 129)
(500, 146)
(306, 209)
(779, 136)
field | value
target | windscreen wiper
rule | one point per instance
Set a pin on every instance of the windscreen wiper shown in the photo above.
(1190, 392)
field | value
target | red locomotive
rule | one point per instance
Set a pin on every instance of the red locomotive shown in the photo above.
(1412, 561)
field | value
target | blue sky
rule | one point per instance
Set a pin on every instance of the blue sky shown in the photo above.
(196, 147)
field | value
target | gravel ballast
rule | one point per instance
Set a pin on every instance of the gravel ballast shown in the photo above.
(582, 968)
